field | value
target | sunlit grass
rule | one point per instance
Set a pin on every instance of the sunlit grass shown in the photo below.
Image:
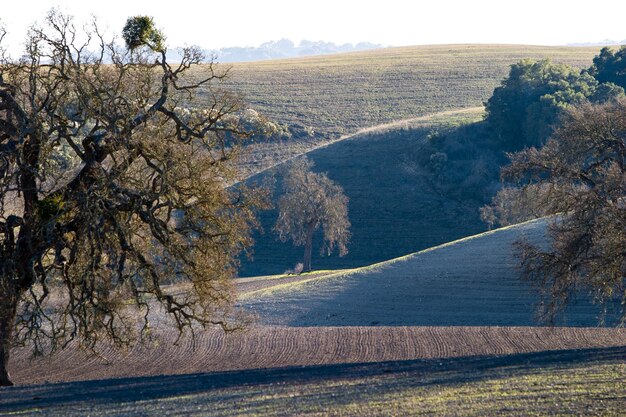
(338, 94)
(589, 389)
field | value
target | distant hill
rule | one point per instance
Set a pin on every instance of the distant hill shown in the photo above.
(337, 94)
(606, 42)
(469, 282)
(283, 48)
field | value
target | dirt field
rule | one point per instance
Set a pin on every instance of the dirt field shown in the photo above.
(589, 382)
(345, 370)
(279, 347)
(370, 314)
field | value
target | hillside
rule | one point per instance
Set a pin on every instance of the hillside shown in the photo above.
(469, 282)
(337, 94)
(397, 202)
(453, 359)
(396, 205)
(360, 370)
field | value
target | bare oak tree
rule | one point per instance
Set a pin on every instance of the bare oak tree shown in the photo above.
(311, 200)
(582, 171)
(112, 183)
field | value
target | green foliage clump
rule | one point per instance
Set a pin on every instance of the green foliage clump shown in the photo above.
(610, 67)
(140, 31)
(50, 206)
(523, 110)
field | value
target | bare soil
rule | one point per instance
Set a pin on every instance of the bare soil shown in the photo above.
(279, 347)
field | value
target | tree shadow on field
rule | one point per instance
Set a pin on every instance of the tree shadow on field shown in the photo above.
(96, 393)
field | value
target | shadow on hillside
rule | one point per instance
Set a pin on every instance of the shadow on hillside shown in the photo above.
(432, 371)
(394, 207)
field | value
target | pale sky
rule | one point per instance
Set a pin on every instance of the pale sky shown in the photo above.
(216, 24)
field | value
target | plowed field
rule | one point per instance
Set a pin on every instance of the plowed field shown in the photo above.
(278, 347)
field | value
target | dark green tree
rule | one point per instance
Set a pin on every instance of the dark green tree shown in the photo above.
(610, 67)
(522, 111)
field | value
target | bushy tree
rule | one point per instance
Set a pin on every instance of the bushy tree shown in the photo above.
(610, 67)
(310, 201)
(138, 201)
(582, 170)
(512, 205)
(522, 111)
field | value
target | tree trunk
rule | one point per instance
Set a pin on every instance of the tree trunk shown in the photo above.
(308, 247)
(7, 317)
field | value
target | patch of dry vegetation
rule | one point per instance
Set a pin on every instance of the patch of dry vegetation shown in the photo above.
(341, 93)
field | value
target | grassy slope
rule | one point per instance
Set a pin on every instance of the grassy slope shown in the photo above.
(471, 282)
(340, 93)
(393, 208)
(585, 378)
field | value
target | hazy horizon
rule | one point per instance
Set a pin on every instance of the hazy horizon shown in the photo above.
(246, 23)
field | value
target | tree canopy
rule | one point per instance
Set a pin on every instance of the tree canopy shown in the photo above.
(610, 67)
(112, 183)
(524, 109)
(311, 200)
(582, 172)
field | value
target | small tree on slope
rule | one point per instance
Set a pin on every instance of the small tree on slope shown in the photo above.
(311, 200)
(112, 184)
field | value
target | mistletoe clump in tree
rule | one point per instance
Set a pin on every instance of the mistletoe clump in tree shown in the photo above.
(112, 183)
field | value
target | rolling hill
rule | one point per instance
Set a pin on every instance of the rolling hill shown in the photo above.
(448, 330)
(316, 360)
(338, 94)
(469, 282)
(395, 205)
(460, 299)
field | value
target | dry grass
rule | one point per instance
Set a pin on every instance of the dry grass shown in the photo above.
(341, 93)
